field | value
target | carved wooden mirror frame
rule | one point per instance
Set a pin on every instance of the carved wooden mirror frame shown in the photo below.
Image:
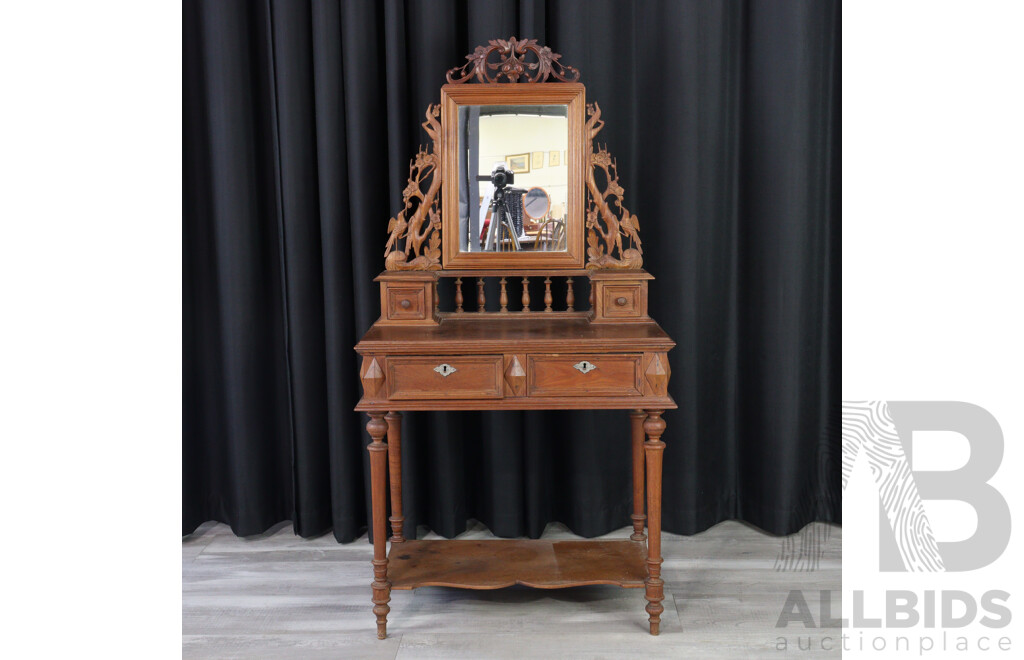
(572, 95)
(415, 232)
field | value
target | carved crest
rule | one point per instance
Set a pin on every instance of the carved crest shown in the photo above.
(607, 219)
(418, 224)
(511, 64)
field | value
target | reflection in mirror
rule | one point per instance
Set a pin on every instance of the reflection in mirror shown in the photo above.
(536, 203)
(511, 177)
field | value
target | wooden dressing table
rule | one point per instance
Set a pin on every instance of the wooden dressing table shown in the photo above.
(529, 353)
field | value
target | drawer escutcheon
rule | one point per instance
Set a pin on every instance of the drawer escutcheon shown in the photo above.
(445, 369)
(584, 366)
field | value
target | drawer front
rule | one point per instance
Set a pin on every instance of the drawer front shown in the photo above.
(622, 301)
(406, 303)
(601, 375)
(468, 377)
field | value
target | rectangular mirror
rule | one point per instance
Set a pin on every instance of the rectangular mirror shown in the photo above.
(513, 179)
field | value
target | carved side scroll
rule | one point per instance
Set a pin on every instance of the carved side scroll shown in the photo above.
(420, 227)
(512, 64)
(607, 225)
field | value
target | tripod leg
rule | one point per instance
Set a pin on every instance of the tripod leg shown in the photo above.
(512, 234)
(491, 232)
(507, 226)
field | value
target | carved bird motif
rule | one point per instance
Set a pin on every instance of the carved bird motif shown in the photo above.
(630, 224)
(396, 226)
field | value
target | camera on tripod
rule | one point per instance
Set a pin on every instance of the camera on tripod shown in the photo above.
(506, 210)
(501, 176)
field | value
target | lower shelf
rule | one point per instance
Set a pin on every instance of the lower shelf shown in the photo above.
(502, 563)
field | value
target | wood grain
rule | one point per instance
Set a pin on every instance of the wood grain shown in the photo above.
(397, 520)
(619, 296)
(511, 64)
(605, 237)
(408, 298)
(573, 95)
(654, 427)
(515, 272)
(636, 427)
(503, 563)
(609, 357)
(277, 595)
(475, 376)
(417, 224)
(556, 375)
(515, 375)
(377, 427)
(515, 334)
(521, 403)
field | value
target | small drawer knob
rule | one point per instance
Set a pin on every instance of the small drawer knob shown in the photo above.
(621, 302)
(405, 304)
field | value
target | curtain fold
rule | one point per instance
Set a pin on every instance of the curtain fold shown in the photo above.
(299, 122)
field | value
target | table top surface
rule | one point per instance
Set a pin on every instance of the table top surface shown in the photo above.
(533, 333)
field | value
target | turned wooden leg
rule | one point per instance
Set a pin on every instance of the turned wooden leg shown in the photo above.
(395, 474)
(377, 427)
(654, 426)
(636, 421)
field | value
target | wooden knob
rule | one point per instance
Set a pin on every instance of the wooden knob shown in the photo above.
(405, 304)
(621, 302)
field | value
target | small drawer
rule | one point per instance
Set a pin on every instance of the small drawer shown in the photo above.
(406, 303)
(584, 375)
(457, 377)
(407, 298)
(620, 297)
(622, 301)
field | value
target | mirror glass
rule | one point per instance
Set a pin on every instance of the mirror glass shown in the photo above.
(536, 204)
(512, 175)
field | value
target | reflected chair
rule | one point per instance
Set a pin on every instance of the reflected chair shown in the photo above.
(551, 236)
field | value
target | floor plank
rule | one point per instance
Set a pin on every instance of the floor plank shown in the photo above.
(274, 647)
(277, 595)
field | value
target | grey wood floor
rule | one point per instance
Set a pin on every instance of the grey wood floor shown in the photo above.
(281, 596)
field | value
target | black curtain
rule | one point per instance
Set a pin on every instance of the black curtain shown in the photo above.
(299, 121)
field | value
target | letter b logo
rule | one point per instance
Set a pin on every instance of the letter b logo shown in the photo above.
(884, 431)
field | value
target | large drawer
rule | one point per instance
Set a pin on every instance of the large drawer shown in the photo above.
(456, 377)
(584, 375)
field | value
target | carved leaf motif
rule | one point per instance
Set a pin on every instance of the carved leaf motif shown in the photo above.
(433, 251)
(418, 224)
(479, 54)
(608, 220)
(511, 63)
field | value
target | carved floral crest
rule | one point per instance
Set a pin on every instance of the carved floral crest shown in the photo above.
(511, 63)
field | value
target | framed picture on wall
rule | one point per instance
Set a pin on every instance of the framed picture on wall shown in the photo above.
(519, 163)
(554, 158)
(538, 160)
